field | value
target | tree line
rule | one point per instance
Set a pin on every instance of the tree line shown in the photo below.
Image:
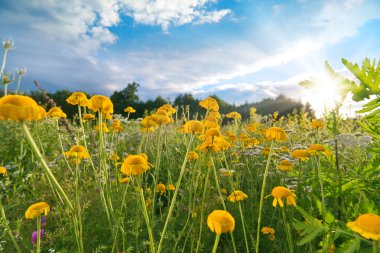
(128, 97)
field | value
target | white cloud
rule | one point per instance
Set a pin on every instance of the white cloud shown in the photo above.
(166, 13)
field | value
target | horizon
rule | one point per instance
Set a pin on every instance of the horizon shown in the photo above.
(238, 50)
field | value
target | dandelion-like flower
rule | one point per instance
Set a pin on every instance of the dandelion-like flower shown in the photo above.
(124, 180)
(300, 154)
(237, 196)
(105, 129)
(367, 225)
(170, 187)
(267, 230)
(220, 221)
(88, 116)
(3, 171)
(77, 98)
(316, 123)
(77, 151)
(210, 121)
(100, 103)
(20, 108)
(285, 165)
(281, 192)
(315, 149)
(192, 155)
(233, 115)
(135, 165)
(130, 109)
(193, 126)
(161, 188)
(161, 117)
(36, 210)
(56, 112)
(209, 104)
(276, 133)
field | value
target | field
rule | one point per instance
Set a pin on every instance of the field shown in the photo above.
(106, 183)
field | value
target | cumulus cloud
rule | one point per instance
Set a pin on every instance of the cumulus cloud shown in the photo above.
(166, 13)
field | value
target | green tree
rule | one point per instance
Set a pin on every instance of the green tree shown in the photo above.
(126, 97)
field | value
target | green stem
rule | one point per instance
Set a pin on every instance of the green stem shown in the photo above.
(46, 168)
(375, 246)
(262, 198)
(175, 195)
(321, 185)
(288, 231)
(79, 214)
(202, 205)
(38, 234)
(216, 243)
(146, 217)
(5, 224)
(4, 61)
(18, 83)
(242, 223)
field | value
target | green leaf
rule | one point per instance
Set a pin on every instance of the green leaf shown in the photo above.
(309, 231)
(350, 246)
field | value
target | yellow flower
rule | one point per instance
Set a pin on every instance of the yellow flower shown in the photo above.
(104, 128)
(161, 117)
(77, 151)
(88, 116)
(244, 137)
(168, 109)
(316, 123)
(210, 121)
(116, 127)
(265, 151)
(214, 113)
(367, 225)
(233, 115)
(148, 122)
(209, 104)
(193, 126)
(135, 165)
(237, 196)
(275, 115)
(77, 98)
(36, 210)
(219, 144)
(56, 112)
(281, 192)
(100, 103)
(276, 133)
(300, 154)
(192, 156)
(315, 149)
(171, 187)
(124, 180)
(285, 165)
(3, 171)
(284, 149)
(251, 128)
(17, 107)
(220, 221)
(213, 132)
(224, 191)
(268, 230)
(161, 188)
(129, 109)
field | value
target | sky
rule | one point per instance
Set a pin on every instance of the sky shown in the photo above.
(239, 50)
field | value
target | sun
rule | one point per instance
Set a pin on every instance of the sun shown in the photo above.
(323, 96)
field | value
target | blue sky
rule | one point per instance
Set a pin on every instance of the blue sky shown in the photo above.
(238, 49)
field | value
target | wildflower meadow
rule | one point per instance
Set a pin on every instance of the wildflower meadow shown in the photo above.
(176, 182)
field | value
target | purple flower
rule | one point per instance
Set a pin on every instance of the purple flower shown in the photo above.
(43, 220)
(34, 235)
